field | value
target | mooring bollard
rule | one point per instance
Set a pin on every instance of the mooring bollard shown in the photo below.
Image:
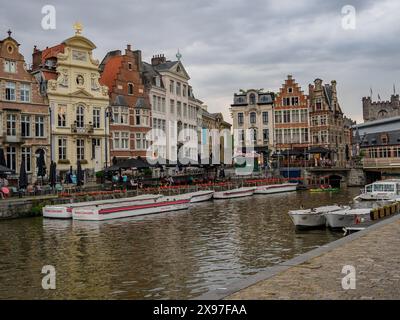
(381, 212)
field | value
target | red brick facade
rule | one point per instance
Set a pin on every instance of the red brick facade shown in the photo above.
(24, 115)
(291, 117)
(129, 101)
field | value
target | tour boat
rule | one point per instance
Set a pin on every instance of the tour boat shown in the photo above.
(200, 196)
(124, 210)
(312, 218)
(381, 190)
(235, 193)
(346, 217)
(64, 211)
(276, 188)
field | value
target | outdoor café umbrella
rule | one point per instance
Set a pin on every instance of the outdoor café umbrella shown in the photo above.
(23, 177)
(2, 158)
(41, 165)
(53, 177)
(79, 175)
(4, 170)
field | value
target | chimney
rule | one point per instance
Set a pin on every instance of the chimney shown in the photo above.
(139, 62)
(36, 58)
(158, 59)
(128, 50)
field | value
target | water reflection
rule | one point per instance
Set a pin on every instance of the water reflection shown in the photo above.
(170, 256)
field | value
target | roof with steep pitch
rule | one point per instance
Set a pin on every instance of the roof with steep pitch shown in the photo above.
(110, 71)
(52, 52)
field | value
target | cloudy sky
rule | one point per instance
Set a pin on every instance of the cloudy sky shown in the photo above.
(229, 45)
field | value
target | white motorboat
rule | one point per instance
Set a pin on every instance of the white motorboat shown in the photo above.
(346, 217)
(312, 218)
(235, 193)
(121, 210)
(200, 196)
(276, 188)
(381, 190)
(64, 211)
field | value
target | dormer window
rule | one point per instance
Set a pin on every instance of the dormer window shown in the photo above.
(252, 98)
(384, 138)
(158, 82)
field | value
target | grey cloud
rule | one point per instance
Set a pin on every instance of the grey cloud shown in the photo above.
(232, 44)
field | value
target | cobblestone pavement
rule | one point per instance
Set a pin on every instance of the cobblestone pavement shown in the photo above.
(375, 256)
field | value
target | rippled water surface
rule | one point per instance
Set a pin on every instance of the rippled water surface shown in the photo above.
(167, 256)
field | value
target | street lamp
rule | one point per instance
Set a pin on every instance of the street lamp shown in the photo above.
(108, 114)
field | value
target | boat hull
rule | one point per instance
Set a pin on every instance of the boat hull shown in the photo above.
(65, 211)
(313, 218)
(276, 188)
(335, 220)
(308, 220)
(375, 197)
(100, 214)
(57, 212)
(235, 193)
(201, 196)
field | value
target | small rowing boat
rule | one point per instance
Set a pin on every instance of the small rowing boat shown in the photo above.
(325, 190)
(64, 211)
(235, 193)
(276, 188)
(121, 210)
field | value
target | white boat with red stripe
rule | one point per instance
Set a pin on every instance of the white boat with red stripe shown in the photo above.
(64, 211)
(276, 188)
(116, 211)
(200, 196)
(235, 193)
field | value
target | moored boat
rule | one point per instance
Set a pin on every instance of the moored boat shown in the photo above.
(276, 188)
(312, 218)
(115, 211)
(324, 190)
(200, 196)
(346, 217)
(380, 190)
(235, 193)
(64, 211)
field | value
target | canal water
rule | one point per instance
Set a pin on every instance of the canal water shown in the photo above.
(173, 255)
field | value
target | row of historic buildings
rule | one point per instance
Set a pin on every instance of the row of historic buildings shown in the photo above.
(292, 122)
(72, 107)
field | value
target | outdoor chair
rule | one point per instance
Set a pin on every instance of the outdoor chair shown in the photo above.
(30, 190)
(14, 191)
(59, 187)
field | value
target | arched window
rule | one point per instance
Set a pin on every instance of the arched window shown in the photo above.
(80, 116)
(382, 113)
(252, 98)
(130, 88)
(252, 117)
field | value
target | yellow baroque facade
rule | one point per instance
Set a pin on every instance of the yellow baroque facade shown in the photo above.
(78, 107)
